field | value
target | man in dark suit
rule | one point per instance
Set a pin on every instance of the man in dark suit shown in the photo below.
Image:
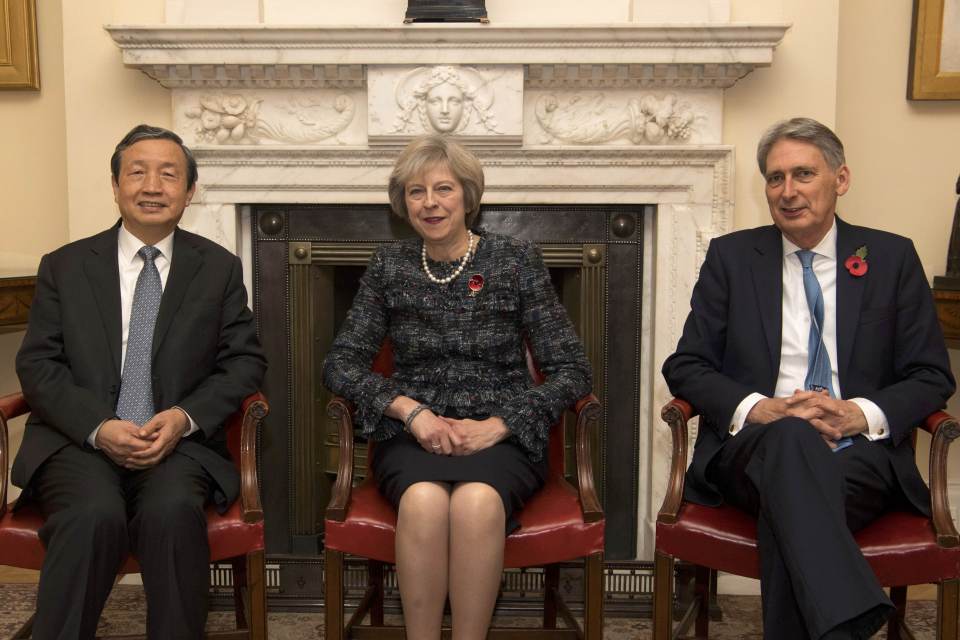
(139, 346)
(811, 351)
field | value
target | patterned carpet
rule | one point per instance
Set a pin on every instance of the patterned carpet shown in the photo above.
(125, 614)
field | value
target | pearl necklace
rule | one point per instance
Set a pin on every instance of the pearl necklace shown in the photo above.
(457, 271)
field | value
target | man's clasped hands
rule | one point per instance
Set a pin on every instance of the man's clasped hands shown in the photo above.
(833, 418)
(134, 447)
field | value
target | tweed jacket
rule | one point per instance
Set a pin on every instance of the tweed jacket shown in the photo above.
(460, 351)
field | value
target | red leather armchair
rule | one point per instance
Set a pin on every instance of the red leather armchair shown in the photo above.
(236, 535)
(558, 524)
(902, 548)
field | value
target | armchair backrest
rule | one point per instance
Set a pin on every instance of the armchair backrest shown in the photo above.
(383, 364)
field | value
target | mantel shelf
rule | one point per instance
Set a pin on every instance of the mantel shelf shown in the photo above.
(694, 56)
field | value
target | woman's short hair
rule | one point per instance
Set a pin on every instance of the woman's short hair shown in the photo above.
(805, 130)
(425, 153)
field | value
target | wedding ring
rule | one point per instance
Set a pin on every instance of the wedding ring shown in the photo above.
(435, 446)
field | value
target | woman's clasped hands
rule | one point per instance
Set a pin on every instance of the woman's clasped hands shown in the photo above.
(449, 436)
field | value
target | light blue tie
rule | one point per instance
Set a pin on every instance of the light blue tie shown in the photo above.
(136, 385)
(819, 373)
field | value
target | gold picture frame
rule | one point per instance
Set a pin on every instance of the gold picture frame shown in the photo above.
(935, 51)
(19, 62)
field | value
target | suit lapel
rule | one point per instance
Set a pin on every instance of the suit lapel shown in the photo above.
(849, 296)
(767, 270)
(103, 272)
(186, 262)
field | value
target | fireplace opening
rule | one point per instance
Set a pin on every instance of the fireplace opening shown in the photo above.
(307, 262)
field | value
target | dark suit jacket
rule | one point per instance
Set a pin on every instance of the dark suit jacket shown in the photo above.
(206, 356)
(890, 347)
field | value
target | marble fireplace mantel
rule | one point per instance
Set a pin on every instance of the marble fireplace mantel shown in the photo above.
(603, 114)
(691, 56)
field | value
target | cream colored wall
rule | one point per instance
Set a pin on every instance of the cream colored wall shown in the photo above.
(904, 155)
(103, 101)
(801, 81)
(33, 207)
(392, 11)
(851, 73)
(32, 156)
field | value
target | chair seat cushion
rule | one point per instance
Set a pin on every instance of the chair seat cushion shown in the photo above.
(551, 528)
(228, 534)
(900, 547)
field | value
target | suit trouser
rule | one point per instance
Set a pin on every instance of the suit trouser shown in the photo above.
(808, 501)
(96, 513)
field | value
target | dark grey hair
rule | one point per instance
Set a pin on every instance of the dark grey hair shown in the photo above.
(805, 130)
(147, 132)
(425, 153)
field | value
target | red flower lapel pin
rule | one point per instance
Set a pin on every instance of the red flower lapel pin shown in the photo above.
(475, 284)
(857, 263)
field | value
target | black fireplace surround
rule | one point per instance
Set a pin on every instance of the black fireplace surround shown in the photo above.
(307, 260)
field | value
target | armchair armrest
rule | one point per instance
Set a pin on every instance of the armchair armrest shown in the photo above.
(11, 406)
(341, 410)
(588, 417)
(944, 429)
(676, 413)
(252, 412)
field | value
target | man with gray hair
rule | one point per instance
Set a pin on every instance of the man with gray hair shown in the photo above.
(811, 351)
(139, 346)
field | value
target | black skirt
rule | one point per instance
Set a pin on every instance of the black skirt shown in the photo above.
(400, 462)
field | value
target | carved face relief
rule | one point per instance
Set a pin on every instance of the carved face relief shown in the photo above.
(444, 104)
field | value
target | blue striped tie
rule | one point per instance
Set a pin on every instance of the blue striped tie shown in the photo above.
(819, 373)
(136, 384)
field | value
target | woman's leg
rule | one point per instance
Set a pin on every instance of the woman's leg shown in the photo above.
(477, 523)
(423, 522)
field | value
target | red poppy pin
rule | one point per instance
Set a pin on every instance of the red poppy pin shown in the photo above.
(475, 284)
(857, 263)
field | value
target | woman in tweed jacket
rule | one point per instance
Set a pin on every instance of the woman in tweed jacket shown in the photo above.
(462, 431)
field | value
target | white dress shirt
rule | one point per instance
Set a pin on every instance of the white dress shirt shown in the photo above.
(130, 264)
(795, 333)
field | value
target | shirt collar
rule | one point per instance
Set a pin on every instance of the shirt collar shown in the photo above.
(827, 247)
(130, 244)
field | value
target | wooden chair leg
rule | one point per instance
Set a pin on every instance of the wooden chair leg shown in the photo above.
(333, 596)
(702, 591)
(239, 566)
(375, 581)
(551, 582)
(662, 596)
(593, 597)
(898, 595)
(948, 608)
(256, 578)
